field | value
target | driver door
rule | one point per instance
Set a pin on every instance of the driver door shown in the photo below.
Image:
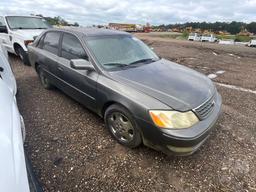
(79, 84)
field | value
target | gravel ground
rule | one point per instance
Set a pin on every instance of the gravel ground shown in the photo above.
(238, 61)
(72, 151)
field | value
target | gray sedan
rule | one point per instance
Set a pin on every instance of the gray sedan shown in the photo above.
(143, 98)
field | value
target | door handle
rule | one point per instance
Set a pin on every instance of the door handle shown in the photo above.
(60, 68)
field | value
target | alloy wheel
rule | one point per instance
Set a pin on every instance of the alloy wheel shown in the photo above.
(121, 127)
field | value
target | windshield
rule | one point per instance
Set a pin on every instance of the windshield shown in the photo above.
(120, 50)
(26, 23)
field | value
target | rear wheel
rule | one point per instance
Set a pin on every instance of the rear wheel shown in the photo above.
(23, 55)
(122, 126)
(43, 79)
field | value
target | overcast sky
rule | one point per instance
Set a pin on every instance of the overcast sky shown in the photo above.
(88, 12)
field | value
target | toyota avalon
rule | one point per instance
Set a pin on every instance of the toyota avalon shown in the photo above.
(143, 98)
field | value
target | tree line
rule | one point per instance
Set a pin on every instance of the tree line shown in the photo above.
(233, 27)
(57, 21)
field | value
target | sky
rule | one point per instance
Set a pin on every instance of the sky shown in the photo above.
(155, 12)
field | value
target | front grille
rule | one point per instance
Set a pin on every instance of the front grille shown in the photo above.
(205, 109)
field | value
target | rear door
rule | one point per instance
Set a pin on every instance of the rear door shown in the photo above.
(48, 54)
(79, 84)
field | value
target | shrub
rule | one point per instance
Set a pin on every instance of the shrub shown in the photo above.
(242, 38)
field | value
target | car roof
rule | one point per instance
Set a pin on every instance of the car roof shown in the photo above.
(90, 31)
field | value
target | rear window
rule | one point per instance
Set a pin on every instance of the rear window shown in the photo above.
(51, 42)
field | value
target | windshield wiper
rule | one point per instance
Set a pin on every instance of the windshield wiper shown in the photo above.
(143, 61)
(116, 64)
(130, 64)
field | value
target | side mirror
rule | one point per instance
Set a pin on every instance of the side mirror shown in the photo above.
(81, 64)
(3, 29)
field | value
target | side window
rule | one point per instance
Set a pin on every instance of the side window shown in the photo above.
(41, 42)
(72, 48)
(2, 23)
(51, 42)
(3, 28)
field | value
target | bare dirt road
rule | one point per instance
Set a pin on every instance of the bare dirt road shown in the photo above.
(72, 151)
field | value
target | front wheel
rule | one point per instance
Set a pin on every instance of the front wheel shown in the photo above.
(122, 126)
(23, 56)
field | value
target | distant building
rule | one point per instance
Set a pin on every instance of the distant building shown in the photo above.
(130, 27)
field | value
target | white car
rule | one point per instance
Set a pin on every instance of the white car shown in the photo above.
(16, 32)
(194, 37)
(227, 41)
(252, 43)
(13, 174)
(209, 38)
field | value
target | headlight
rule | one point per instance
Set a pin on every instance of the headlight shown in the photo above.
(173, 119)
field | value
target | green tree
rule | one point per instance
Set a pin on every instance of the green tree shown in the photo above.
(57, 20)
(76, 24)
(235, 27)
(251, 27)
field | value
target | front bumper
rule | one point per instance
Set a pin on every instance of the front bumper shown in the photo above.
(183, 141)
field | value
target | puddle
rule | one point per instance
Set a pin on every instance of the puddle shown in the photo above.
(220, 72)
(192, 58)
(233, 55)
(212, 76)
(236, 88)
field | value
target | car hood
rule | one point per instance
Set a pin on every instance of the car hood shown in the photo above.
(177, 86)
(13, 175)
(28, 34)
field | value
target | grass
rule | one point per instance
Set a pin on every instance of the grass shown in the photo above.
(183, 35)
(237, 38)
(172, 36)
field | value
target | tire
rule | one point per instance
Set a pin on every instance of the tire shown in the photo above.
(43, 79)
(122, 126)
(23, 56)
